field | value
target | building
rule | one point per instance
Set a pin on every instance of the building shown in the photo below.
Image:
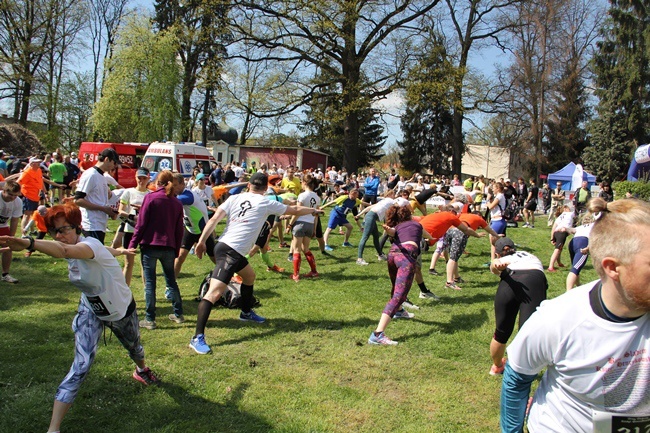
(223, 141)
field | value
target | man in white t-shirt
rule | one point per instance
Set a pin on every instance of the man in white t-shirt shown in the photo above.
(246, 214)
(11, 211)
(593, 341)
(93, 194)
(238, 170)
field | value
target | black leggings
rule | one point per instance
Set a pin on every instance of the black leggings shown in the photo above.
(519, 292)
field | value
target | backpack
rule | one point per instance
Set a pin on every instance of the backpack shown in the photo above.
(231, 298)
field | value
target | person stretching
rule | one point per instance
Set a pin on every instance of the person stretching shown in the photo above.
(303, 228)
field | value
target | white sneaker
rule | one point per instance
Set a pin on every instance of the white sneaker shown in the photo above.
(403, 314)
(9, 279)
(382, 258)
(429, 295)
(361, 262)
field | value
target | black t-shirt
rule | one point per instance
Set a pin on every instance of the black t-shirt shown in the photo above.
(426, 195)
(229, 176)
(535, 191)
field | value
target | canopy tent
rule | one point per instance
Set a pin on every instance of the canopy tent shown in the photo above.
(567, 174)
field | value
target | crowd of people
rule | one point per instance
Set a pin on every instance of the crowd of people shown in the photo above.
(172, 217)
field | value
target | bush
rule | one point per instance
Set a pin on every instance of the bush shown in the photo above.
(639, 189)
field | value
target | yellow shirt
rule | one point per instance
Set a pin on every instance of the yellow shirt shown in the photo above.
(293, 185)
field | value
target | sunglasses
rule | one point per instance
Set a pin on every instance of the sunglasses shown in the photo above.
(61, 230)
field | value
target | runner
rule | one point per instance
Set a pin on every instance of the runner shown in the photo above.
(558, 236)
(106, 300)
(376, 212)
(496, 205)
(338, 216)
(302, 228)
(592, 341)
(402, 260)
(579, 249)
(522, 288)
(246, 213)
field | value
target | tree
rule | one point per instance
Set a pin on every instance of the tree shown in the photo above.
(622, 69)
(104, 20)
(201, 30)
(142, 89)
(474, 23)
(75, 108)
(361, 45)
(427, 123)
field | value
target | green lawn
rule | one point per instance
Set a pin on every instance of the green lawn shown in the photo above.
(308, 369)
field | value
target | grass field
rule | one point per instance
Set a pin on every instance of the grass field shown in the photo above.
(308, 369)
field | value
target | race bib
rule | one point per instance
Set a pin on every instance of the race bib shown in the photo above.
(605, 422)
(98, 306)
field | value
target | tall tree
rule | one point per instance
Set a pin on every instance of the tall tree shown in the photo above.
(362, 46)
(104, 20)
(142, 89)
(75, 108)
(475, 23)
(201, 29)
(427, 124)
(622, 69)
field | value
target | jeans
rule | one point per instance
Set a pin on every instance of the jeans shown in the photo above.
(166, 255)
(370, 228)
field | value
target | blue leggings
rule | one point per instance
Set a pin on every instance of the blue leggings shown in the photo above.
(578, 260)
(401, 269)
(370, 229)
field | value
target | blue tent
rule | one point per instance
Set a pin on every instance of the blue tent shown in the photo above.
(565, 176)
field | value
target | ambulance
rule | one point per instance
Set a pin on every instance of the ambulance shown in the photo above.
(131, 155)
(180, 157)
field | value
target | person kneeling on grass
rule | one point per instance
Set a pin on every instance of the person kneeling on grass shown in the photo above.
(402, 264)
(106, 300)
(246, 214)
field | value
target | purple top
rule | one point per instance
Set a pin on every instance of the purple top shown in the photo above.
(160, 222)
(409, 231)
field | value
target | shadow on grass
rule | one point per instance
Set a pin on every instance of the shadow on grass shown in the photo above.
(283, 325)
(458, 322)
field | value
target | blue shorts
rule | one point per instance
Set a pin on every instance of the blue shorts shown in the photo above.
(336, 219)
(499, 226)
(29, 205)
(578, 260)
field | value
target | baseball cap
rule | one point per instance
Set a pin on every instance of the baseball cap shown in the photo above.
(35, 159)
(142, 172)
(501, 243)
(111, 154)
(259, 179)
(73, 153)
(200, 176)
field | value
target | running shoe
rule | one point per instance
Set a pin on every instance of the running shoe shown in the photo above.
(560, 265)
(9, 279)
(382, 258)
(328, 248)
(411, 306)
(525, 226)
(295, 277)
(495, 371)
(311, 274)
(148, 324)
(361, 262)
(176, 319)
(459, 280)
(347, 244)
(199, 345)
(432, 271)
(275, 268)
(290, 258)
(341, 232)
(381, 339)
(251, 317)
(284, 245)
(429, 295)
(236, 279)
(531, 226)
(452, 286)
(403, 314)
(146, 376)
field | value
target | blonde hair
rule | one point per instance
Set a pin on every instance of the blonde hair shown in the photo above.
(615, 232)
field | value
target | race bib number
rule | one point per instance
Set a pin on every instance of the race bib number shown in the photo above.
(605, 422)
(98, 306)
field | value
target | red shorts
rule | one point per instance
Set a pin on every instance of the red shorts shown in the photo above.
(4, 231)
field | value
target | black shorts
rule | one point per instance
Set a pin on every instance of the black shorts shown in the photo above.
(264, 234)
(126, 240)
(559, 239)
(531, 205)
(519, 292)
(319, 229)
(228, 263)
(189, 239)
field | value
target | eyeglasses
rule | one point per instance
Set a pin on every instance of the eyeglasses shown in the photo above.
(61, 230)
